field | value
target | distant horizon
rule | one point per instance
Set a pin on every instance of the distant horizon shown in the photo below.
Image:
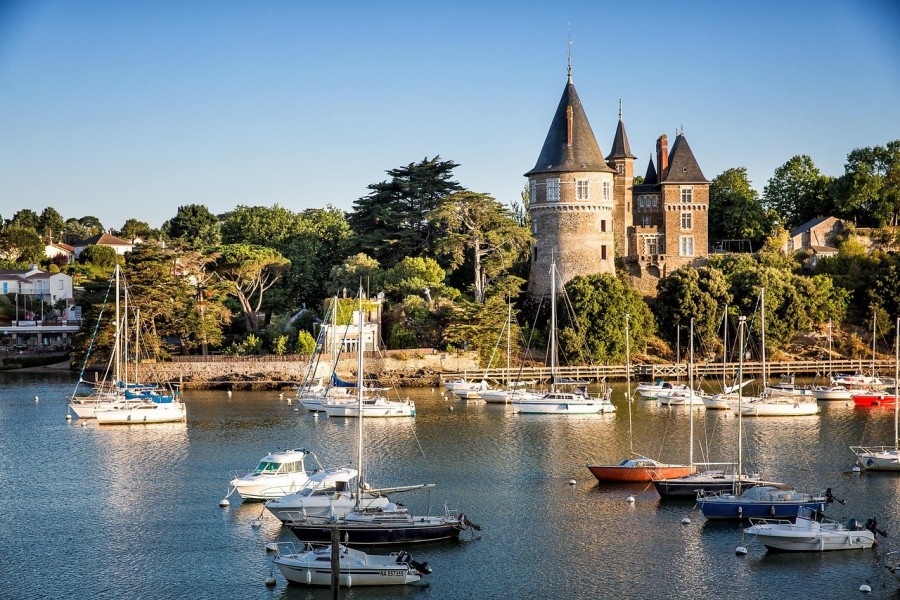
(125, 111)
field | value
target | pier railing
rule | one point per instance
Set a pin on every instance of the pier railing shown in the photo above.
(676, 370)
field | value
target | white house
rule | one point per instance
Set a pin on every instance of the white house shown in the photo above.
(35, 284)
(57, 249)
(104, 239)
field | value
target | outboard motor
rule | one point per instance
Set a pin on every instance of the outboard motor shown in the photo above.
(872, 525)
(422, 567)
(830, 497)
(403, 557)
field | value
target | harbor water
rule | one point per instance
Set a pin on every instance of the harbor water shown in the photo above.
(94, 511)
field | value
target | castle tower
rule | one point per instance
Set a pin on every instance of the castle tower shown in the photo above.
(571, 200)
(684, 198)
(621, 160)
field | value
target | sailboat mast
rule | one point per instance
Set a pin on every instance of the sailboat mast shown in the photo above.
(896, 381)
(359, 399)
(874, 320)
(741, 322)
(762, 298)
(508, 340)
(137, 341)
(691, 402)
(628, 378)
(725, 350)
(830, 359)
(125, 336)
(552, 326)
(116, 349)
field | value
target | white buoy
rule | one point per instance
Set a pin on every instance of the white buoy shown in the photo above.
(856, 469)
(255, 523)
(271, 547)
(630, 499)
(289, 401)
(224, 502)
(37, 399)
(83, 423)
(865, 588)
(270, 580)
(229, 393)
(432, 390)
(281, 395)
(685, 521)
(449, 409)
(740, 551)
(296, 410)
(68, 417)
(571, 482)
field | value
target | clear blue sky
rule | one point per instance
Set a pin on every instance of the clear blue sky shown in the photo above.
(131, 109)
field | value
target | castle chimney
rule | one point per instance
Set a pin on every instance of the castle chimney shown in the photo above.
(662, 156)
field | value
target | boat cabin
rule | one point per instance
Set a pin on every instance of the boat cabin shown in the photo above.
(281, 463)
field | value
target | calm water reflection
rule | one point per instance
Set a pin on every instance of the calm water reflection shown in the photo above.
(131, 512)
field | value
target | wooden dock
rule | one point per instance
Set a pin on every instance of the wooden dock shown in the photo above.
(651, 372)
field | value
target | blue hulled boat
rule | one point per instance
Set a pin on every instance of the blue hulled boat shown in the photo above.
(769, 501)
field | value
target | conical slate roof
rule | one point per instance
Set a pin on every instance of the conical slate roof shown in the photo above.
(570, 144)
(620, 147)
(651, 177)
(683, 167)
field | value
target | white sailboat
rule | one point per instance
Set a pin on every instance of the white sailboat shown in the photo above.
(834, 391)
(885, 458)
(557, 401)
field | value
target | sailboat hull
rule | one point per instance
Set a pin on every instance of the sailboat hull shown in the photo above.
(686, 488)
(877, 459)
(622, 474)
(378, 534)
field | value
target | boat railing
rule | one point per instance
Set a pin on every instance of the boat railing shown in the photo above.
(779, 522)
(872, 449)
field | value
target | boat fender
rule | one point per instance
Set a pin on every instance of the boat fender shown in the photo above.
(772, 510)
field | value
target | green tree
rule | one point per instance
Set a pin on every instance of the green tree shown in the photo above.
(74, 231)
(482, 327)
(26, 219)
(735, 212)
(51, 225)
(194, 225)
(594, 331)
(134, 229)
(480, 228)
(687, 293)
(869, 190)
(416, 277)
(798, 191)
(305, 343)
(21, 245)
(250, 270)
(355, 269)
(259, 225)
(391, 223)
(92, 225)
(99, 256)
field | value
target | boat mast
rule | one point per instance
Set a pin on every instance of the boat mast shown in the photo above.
(508, 341)
(137, 352)
(359, 399)
(125, 336)
(896, 381)
(830, 358)
(628, 379)
(874, 318)
(762, 299)
(116, 348)
(741, 322)
(725, 350)
(691, 401)
(553, 326)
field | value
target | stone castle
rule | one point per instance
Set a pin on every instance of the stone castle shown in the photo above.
(586, 211)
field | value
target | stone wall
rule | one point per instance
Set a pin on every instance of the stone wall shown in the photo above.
(398, 367)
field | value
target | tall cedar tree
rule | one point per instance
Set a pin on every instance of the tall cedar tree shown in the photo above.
(391, 223)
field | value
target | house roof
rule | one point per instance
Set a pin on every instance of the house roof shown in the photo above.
(620, 148)
(62, 246)
(104, 239)
(570, 144)
(823, 250)
(808, 225)
(683, 167)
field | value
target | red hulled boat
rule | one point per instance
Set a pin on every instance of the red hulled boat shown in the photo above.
(637, 470)
(874, 399)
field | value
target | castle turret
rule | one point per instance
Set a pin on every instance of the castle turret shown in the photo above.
(684, 195)
(622, 162)
(571, 200)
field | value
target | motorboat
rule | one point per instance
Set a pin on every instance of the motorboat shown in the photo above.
(133, 412)
(872, 398)
(639, 469)
(391, 524)
(780, 502)
(312, 565)
(680, 398)
(650, 391)
(462, 387)
(329, 493)
(812, 532)
(371, 406)
(833, 392)
(509, 393)
(277, 474)
(787, 387)
(723, 401)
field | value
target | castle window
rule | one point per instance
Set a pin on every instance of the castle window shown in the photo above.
(534, 228)
(651, 245)
(653, 200)
(603, 252)
(641, 201)
(606, 190)
(532, 191)
(619, 168)
(686, 220)
(534, 254)
(686, 246)
(646, 221)
(581, 189)
(602, 225)
(553, 190)
(687, 194)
